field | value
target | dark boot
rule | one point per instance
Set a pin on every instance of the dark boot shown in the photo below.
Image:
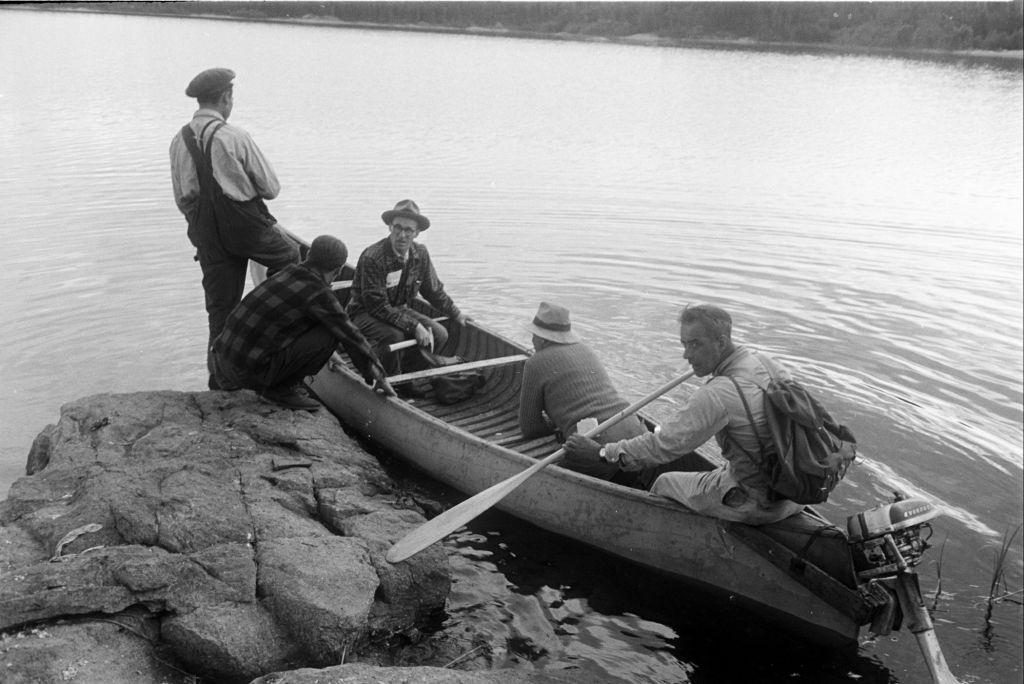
(294, 397)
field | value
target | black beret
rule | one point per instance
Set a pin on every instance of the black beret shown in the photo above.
(209, 81)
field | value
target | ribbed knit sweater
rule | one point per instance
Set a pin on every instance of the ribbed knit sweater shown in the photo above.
(569, 383)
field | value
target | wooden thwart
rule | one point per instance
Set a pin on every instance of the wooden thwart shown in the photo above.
(455, 368)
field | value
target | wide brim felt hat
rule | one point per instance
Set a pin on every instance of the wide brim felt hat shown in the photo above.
(552, 323)
(408, 209)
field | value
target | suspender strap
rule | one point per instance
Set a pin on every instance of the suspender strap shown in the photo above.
(190, 142)
(202, 159)
(209, 141)
(199, 156)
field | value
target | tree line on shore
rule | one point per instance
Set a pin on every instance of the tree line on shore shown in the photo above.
(886, 25)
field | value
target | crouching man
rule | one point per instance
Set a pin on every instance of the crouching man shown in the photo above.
(288, 327)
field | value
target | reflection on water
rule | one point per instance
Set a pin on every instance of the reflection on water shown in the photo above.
(607, 618)
(861, 217)
(550, 628)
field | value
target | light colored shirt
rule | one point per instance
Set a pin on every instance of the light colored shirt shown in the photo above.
(238, 165)
(714, 410)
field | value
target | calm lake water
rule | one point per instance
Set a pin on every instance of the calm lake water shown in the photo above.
(861, 217)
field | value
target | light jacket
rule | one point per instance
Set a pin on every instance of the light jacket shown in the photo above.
(715, 410)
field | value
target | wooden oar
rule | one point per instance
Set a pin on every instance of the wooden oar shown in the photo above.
(438, 528)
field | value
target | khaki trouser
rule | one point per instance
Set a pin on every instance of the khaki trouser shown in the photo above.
(716, 493)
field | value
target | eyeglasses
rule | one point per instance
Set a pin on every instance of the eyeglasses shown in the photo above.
(405, 230)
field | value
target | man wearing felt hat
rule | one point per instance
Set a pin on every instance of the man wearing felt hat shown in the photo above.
(220, 180)
(389, 276)
(563, 383)
(288, 327)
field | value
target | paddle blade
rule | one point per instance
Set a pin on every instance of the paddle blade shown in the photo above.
(438, 528)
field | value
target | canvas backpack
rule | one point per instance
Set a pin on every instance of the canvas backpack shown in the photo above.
(809, 451)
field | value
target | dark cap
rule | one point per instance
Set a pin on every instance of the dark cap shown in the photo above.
(327, 252)
(209, 82)
(408, 209)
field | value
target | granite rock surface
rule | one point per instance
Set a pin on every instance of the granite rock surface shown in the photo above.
(226, 537)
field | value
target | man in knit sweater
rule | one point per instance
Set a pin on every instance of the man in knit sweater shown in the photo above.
(563, 383)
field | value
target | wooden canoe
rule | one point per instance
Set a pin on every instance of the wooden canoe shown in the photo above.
(471, 445)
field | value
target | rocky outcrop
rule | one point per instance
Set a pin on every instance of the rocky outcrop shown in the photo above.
(249, 538)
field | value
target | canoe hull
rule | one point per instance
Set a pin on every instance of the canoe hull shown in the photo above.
(628, 523)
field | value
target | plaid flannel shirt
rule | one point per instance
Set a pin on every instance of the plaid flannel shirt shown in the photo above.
(384, 286)
(282, 308)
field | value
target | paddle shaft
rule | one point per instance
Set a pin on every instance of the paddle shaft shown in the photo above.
(438, 528)
(405, 344)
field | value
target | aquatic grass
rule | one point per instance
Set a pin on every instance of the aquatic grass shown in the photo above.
(998, 591)
(938, 575)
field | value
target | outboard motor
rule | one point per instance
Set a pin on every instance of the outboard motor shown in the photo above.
(887, 540)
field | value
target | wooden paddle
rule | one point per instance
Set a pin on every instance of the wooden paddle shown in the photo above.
(405, 344)
(440, 527)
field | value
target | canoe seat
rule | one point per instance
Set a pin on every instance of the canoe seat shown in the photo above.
(457, 367)
(343, 288)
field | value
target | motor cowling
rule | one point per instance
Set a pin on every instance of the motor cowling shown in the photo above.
(890, 538)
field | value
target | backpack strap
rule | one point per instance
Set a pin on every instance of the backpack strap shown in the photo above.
(750, 418)
(769, 366)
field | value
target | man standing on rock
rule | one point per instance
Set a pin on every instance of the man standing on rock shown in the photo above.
(288, 327)
(221, 180)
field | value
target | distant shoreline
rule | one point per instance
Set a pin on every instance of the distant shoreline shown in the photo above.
(651, 40)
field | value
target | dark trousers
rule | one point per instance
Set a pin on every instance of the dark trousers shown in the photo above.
(286, 368)
(224, 263)
(625, 429)
(381, 334)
